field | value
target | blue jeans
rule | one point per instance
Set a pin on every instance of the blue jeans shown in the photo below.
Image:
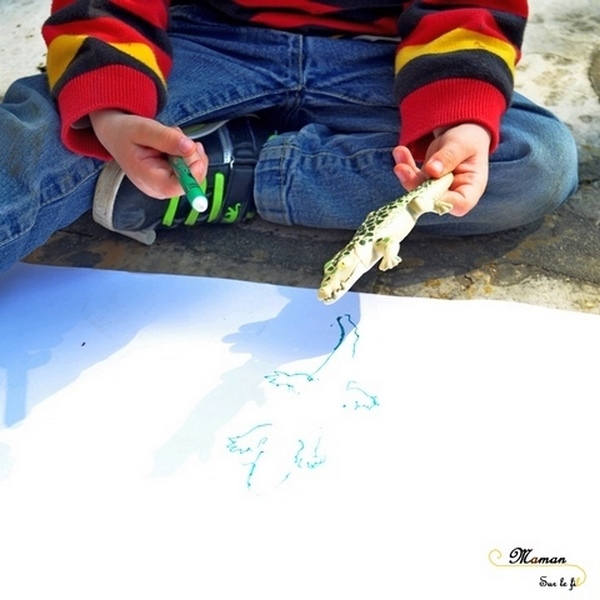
(330, 100)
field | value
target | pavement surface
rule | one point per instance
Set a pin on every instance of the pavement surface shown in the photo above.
(552, 263)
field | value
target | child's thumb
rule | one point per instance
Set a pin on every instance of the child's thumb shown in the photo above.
(170, 140)
(445, 160)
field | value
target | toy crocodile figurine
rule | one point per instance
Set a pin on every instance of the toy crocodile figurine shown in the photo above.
(379, 237)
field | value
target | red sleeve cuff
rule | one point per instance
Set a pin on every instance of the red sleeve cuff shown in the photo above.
(446, 103)
(117, 87)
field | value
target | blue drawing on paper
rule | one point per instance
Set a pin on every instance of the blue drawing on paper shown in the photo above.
(272, 452)
(322, 376)
(254, 445)
(294, 381)
(250, 446)
(359, 398)
(308, 458)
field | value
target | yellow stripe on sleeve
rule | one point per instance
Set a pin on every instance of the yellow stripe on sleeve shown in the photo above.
(143, 54)
(64, 48)
(457, 40)
(61, 52)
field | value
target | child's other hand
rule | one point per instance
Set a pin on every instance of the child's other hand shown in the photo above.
(139, 146)
(462, 150)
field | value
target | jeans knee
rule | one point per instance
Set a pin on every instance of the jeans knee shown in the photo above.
(548, 174)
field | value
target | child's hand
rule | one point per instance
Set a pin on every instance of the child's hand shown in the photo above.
(139, 146)
(462, 150)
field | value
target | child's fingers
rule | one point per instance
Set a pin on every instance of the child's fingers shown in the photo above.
(406, 169)
(197, 162)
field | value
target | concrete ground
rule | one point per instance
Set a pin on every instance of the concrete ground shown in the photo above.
(551, 263)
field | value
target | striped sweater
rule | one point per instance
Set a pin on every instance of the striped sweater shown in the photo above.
(455, 61)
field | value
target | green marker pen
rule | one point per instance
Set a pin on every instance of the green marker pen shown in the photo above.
(196, 197)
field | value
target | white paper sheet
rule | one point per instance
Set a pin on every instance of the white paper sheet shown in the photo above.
(180, 437)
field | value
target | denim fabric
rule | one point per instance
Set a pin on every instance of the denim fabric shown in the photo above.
(330, 104)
